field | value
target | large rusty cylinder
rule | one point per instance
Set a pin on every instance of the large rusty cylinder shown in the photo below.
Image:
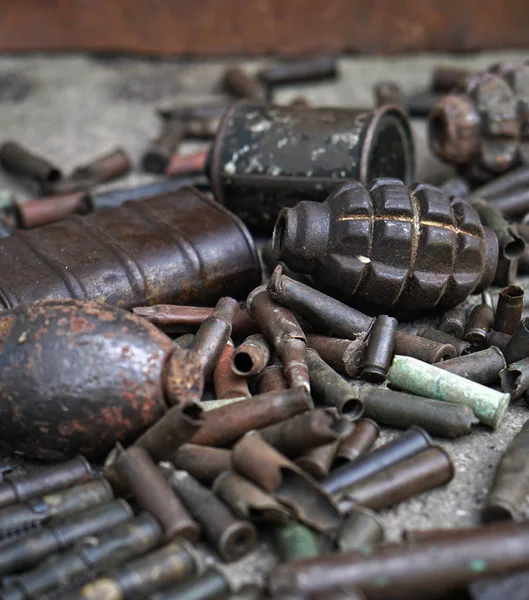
(79, 376)
(484, 122)
(409, 250)
(180, 248)
(428, 569)
(281, 329)
(267, 157)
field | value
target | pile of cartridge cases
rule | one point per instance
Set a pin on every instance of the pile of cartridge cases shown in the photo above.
(231, 391)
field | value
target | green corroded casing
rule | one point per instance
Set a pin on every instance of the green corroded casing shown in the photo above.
(420, 378)
(295, 541)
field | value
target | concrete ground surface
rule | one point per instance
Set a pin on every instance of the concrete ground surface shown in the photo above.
(72, 108)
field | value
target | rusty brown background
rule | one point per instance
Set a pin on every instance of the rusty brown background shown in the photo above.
(222, 27)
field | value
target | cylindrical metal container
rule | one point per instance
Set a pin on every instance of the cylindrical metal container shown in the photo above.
(266, 157)
(178, 248)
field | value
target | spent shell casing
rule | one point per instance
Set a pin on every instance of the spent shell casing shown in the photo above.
(177, 426)
(430, 333)
(515, 378)
(518, 346)
(482, 367)
(359, 441)
(295, 541)
(509, 309)
(396, 409)
(453, 321)
(317, 461)
(479, 323)
(18, 518)
(425, 471)
(21, 161)
(103, 168)
(227, 383)
(36, 213)
(252, 356)
(240, 83)
(511, 482)
(272, 379)
(423, 570)
(145, 481)
(302, 432)
(205, 463)
(231, 537)
(344, 356)
(423, 348)
(161, 149)
(281, 328)
(406, 445)
(214, 334)
(296, 71)
(226, 424)
(87, 559)
(412, 375)
(331, 389)
(142, 576)
(208, 586)
(498, 339)
(248, 500)
(380, 348)
(362, 528)
(39, 482)
(23, 554)
(326, 314)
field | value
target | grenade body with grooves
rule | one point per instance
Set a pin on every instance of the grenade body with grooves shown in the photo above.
(77, 377)
(484, 121)
(266, 157)
(389, 248)
(177, 248)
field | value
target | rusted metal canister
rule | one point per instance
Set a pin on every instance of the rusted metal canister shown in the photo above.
(266, 157)
(178, 248)
(78, 376)
(389, 246)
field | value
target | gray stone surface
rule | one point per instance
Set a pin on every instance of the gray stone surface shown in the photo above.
(72, 108)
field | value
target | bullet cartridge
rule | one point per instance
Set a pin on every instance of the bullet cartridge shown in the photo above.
(90, 557)
(248, 501)
(295, 541)
(261, 463)
(214, 333)
(227, 383)
(231, 537)
(359, 441)
(109, 166)
(413, 441)
(252, 356)
(424, 570)
(152, 492)
(331, 389)
(482, 367)
(453, 321)
(344, 356)
(161, 149)
(425, 471)
(461, 346)
(395, 409)
(380, 348)
(21, 161)
(328, 315)
(272, 379)
(304, 431)
(30, 550)
(412, 375)
(44, 480)
(422, 348)
(361, 529)
(225, 425)
(479, 323)
(518, 346)
(20, 518)
(511, 483)
(142, 576)
(203, 462)
(282, 330)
